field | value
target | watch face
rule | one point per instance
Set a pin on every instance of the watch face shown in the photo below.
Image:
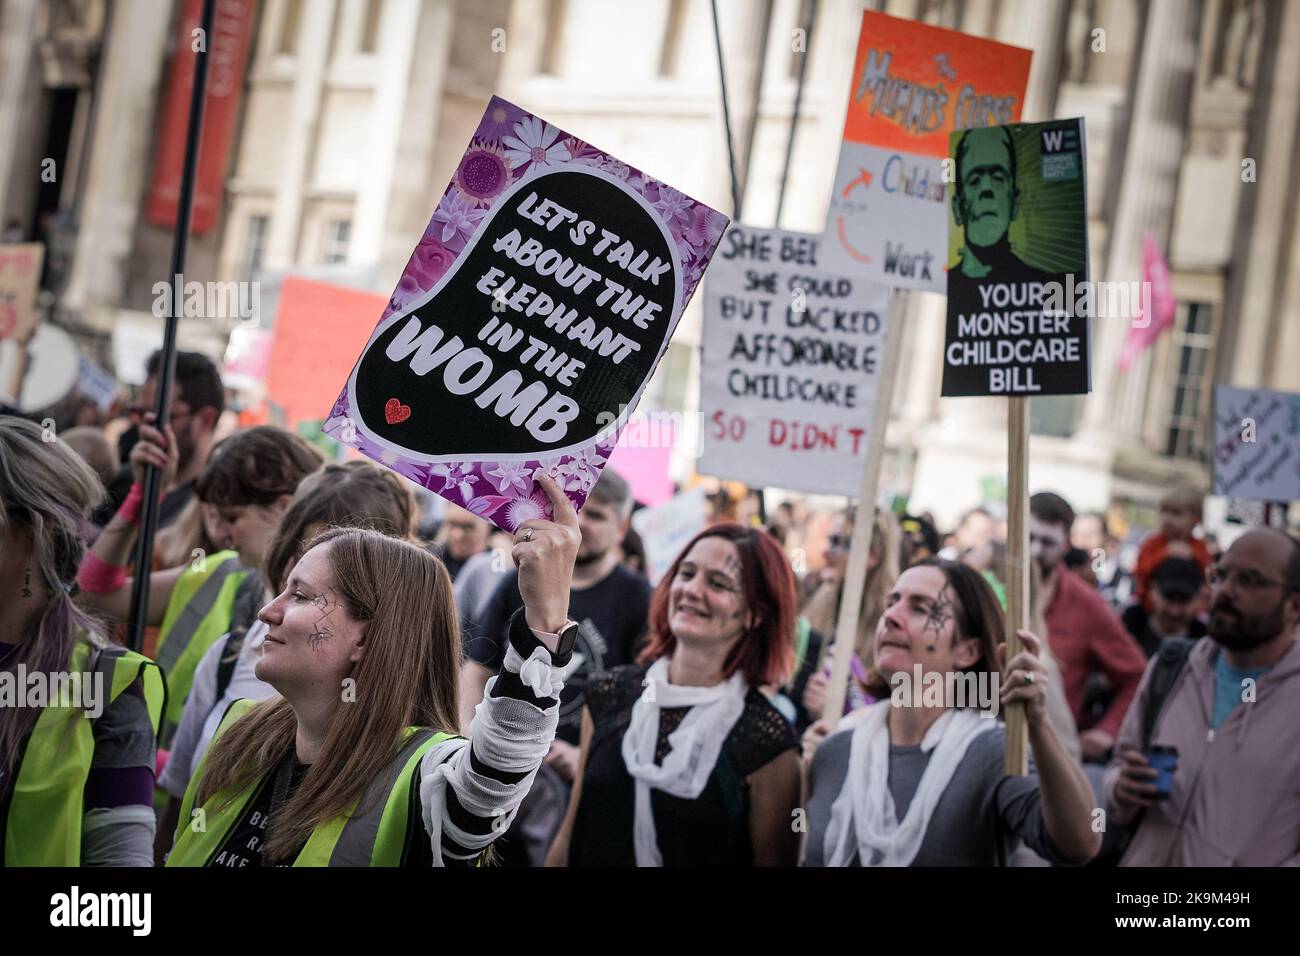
(568, 635)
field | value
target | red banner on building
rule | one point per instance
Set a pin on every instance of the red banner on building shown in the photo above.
(228, 54)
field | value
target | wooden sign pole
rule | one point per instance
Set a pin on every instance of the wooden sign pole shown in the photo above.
(22, 358)
(1017, 584)
(855, 575)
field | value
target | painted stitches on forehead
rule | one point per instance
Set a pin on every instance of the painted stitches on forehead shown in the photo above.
(733, 568)
(938, 613)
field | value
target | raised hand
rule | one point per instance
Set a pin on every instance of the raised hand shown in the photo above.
(544, 553)
(1024, 678)
(155, 448)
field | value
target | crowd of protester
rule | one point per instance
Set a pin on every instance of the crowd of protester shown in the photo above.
(342, 669)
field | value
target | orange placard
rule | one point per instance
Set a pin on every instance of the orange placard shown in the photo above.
(319, 330)
(913, 84)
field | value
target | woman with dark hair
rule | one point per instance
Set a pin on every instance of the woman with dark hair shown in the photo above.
(684, 760)
(357, 762)
(249, 479)
(77, 737)
(918, 781)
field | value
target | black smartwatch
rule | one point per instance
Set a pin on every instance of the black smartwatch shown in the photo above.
(568, 636)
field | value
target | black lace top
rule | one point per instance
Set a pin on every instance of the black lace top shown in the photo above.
(712, 830)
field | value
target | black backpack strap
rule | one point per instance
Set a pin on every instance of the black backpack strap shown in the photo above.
(229, 658)
(248, 601)
(1170, 660)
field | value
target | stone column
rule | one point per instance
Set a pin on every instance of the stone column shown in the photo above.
(1152, 162)
(19, 90)
(411, 190)
(397, 32)
(1038, 25)
(121, 153)
(1262, 338)
(301, 129)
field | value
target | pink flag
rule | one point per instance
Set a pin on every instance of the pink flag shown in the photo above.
(1156, 306)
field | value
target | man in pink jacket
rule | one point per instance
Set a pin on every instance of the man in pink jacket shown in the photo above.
(1232, 714)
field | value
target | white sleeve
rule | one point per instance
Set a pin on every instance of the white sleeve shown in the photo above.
(203, 692)
(471, 789)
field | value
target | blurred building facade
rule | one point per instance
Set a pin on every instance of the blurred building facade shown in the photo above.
(352, 113)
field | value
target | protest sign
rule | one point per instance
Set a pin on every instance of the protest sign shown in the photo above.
(646, 465)
(318, 328)
(527, 322)
(96, 384)
(666, 528)
(790, 363)
(1018, 290)
(1256, 444)
(913, 84)
(20, 276)
(248, 358)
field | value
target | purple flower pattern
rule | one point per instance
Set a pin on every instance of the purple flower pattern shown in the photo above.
(507, 144)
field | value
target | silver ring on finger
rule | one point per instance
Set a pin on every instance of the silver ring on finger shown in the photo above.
(528, 534)
(1029, 677)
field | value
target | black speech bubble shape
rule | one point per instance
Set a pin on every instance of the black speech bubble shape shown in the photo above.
(442, 426)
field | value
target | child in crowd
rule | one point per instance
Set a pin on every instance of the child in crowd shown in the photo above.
(1180, 513)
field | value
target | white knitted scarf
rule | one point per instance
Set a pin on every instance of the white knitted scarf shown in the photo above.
(864, 820)
(695, 744)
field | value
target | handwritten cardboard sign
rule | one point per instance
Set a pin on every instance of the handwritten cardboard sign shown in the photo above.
(20, 275)
(913, 84)
(791, 359)
(528, 321)
(1256, 444)
(1018, 291)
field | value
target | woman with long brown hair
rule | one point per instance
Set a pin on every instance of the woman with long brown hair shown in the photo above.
(356, 763)
(684, 761)
(73, 791)
(356, 494)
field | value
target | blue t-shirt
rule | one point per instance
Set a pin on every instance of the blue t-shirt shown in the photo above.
(1229, 685)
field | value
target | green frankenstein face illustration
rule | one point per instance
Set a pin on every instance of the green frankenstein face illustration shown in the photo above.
(986, 195)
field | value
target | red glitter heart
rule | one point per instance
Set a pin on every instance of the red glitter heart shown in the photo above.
(396, 412)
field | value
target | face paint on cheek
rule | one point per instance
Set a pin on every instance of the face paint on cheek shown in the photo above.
(322, 632)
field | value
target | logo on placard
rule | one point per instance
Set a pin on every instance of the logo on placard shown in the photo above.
(1059, 152)
(551, 319)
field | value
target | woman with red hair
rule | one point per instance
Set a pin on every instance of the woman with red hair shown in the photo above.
(684, 761)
